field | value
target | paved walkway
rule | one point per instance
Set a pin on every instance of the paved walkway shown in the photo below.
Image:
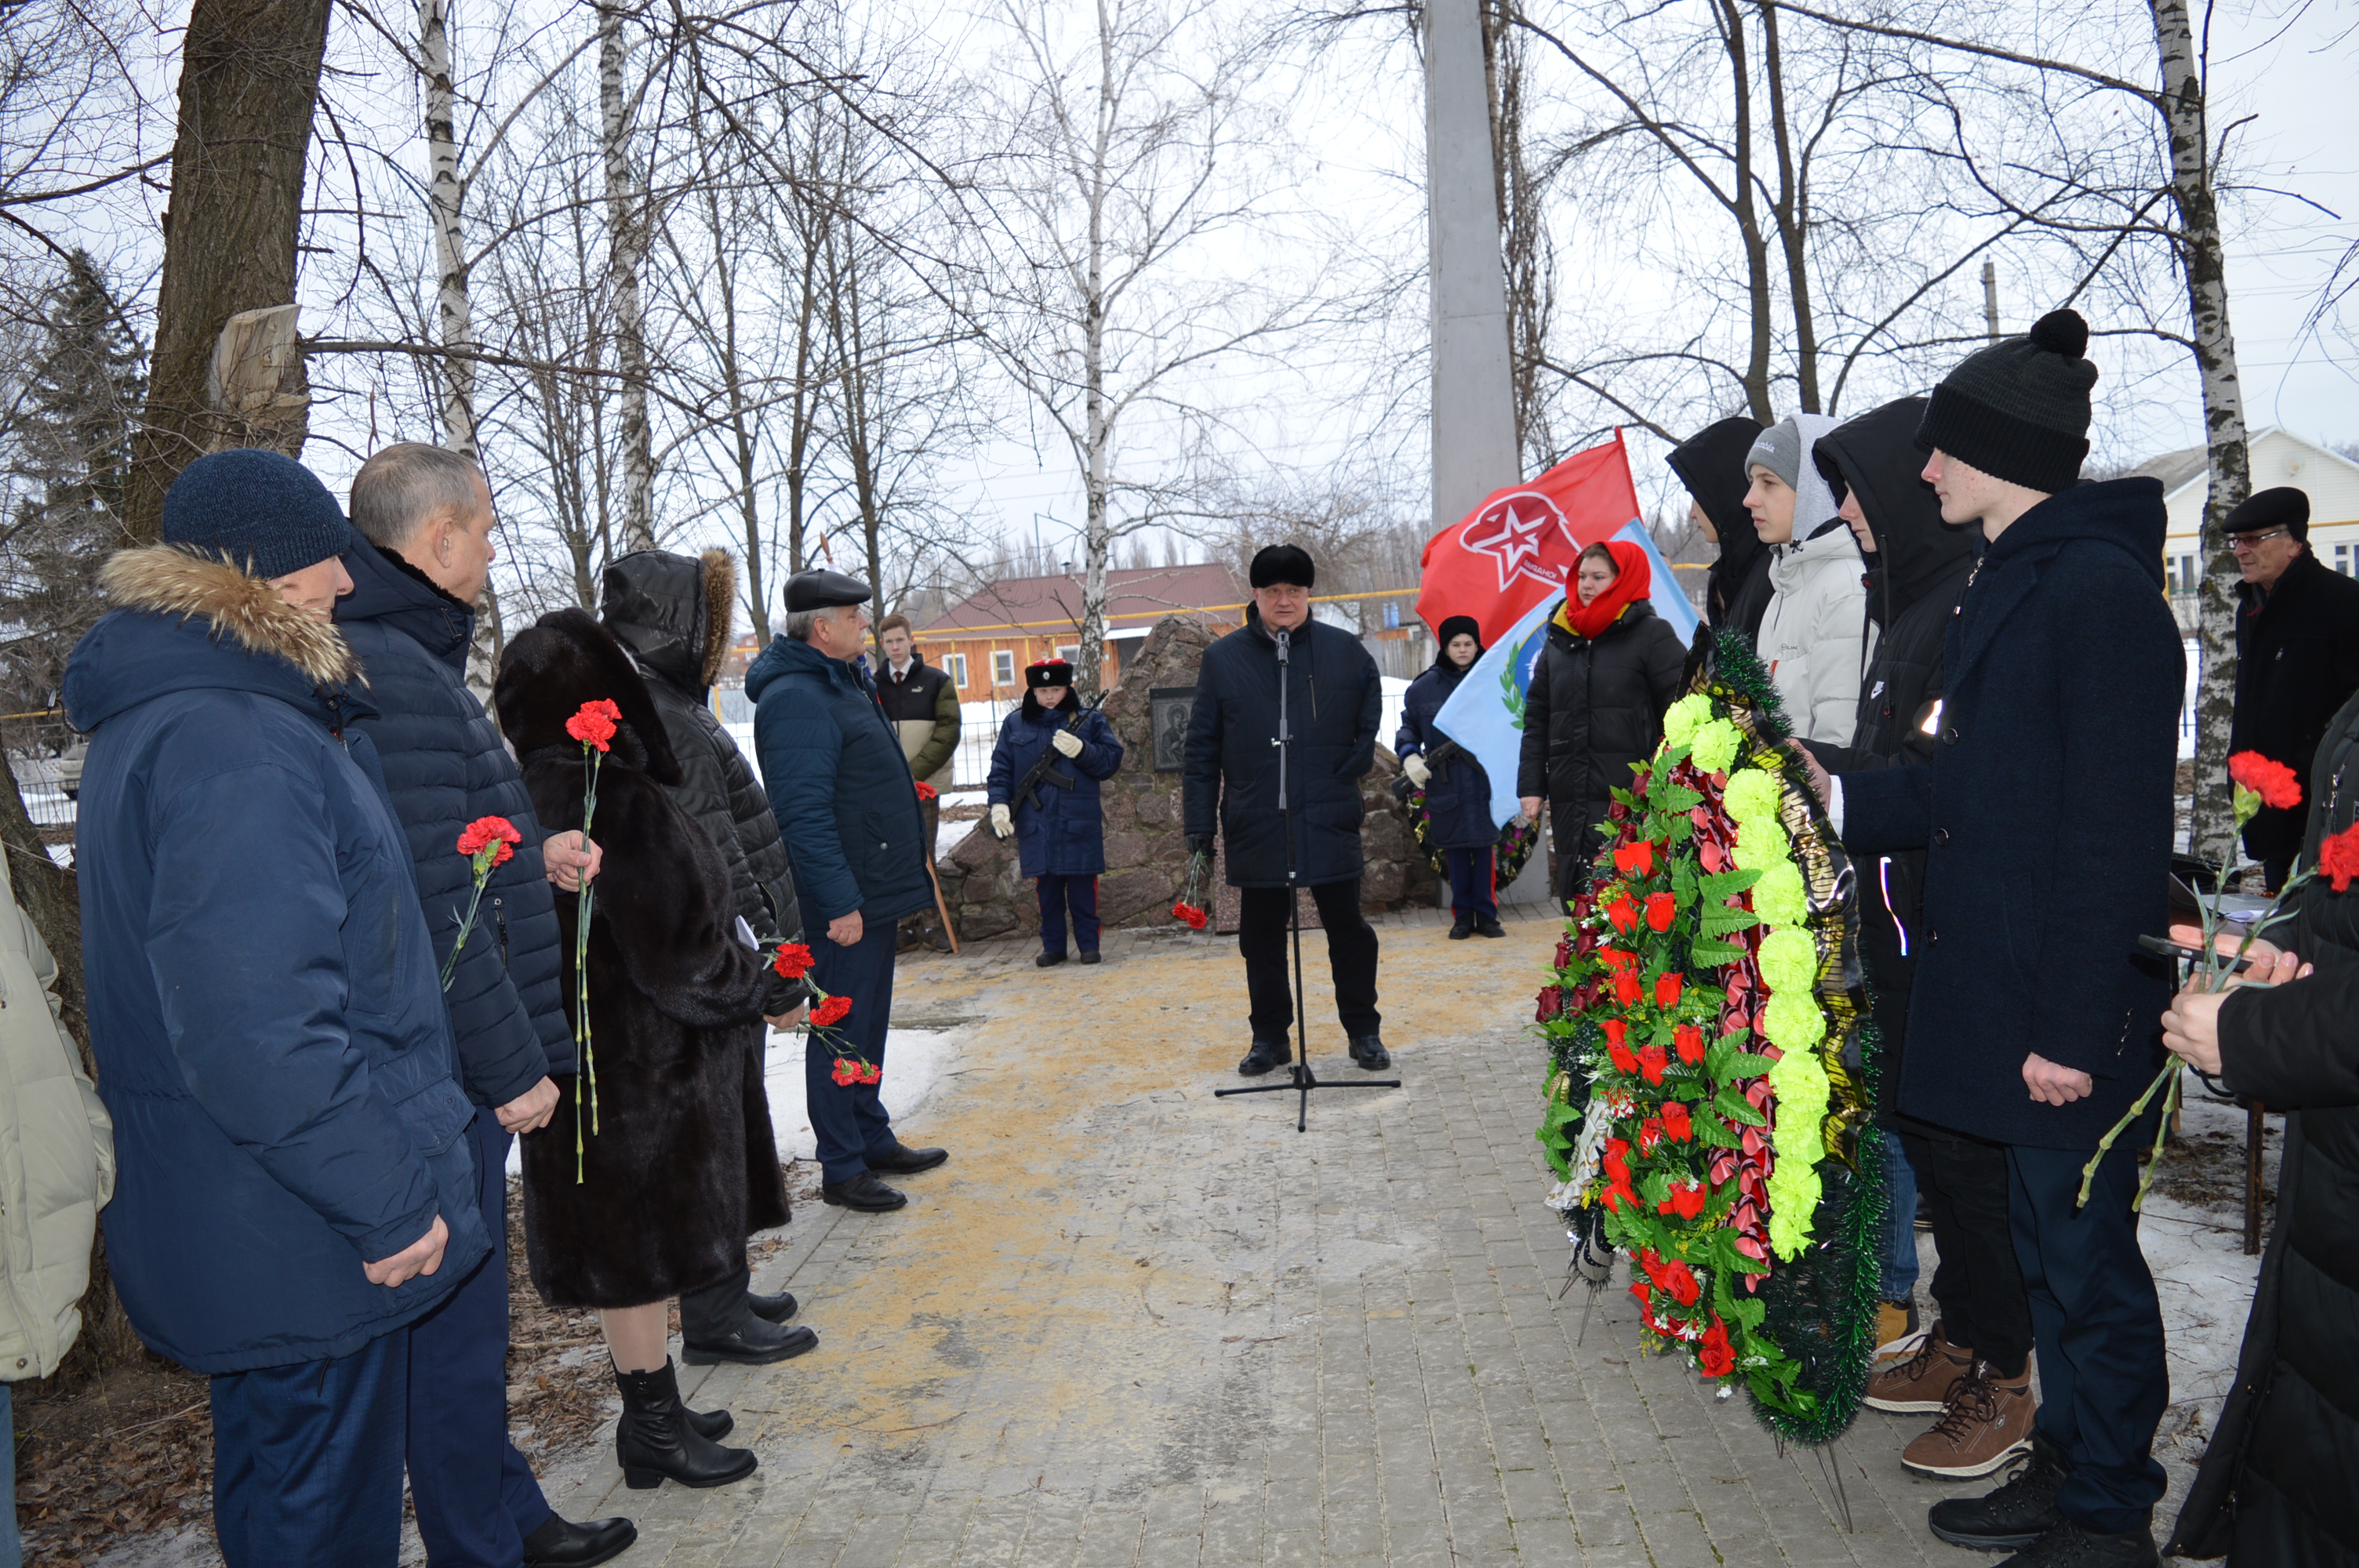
(1130, 1323)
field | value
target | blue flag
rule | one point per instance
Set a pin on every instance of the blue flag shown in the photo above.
(1485, 714)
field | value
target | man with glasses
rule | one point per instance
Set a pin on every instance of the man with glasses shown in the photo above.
(2297, 657)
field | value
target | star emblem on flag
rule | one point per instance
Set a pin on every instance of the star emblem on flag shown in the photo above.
(1513, 531)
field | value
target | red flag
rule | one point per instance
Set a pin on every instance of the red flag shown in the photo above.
(1517, 548)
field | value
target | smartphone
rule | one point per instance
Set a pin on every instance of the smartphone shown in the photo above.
(2171, 949)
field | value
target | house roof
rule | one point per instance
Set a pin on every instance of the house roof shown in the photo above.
(1136, 598)
(2179, 469)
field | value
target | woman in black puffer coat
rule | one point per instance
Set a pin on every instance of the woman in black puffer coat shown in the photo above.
(2278, 1485)
(1457, 791)
(1594, 709)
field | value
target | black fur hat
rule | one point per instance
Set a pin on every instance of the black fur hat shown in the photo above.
(563, 661)
(1284, 563)
(1047, 671)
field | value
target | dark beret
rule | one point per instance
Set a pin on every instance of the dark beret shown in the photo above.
(1284, 563)
(823, 590)
(2284, 507)
(1047, 671)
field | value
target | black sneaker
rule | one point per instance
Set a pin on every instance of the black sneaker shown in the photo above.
(2019, 1514)
(2071, 1545)
(1488, 926)
(1265, 1054)
(1090, 955)
(1049, 960)
(1462, 928)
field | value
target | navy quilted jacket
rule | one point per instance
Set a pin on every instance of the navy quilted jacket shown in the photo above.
(445, 766)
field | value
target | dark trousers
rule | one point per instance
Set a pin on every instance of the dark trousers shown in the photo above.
(307, 1460)
(1977, 1284)
(1471, 892)
(1264, 915)
(849, 1120)
(2103, 1381)
(476, 1496)
(1080, 896)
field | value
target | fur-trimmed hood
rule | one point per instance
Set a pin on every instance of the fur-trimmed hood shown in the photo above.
(673, 613)
(563, 661)
(190, 621)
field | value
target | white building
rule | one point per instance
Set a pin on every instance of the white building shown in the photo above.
(2278, 457)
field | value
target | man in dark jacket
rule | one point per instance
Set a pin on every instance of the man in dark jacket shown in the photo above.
(848, 810)
(2047, 810)
(295, 1183)
(2296, 656)
(1334, 702)
(1710, 466)
(923, 707)
(1916, 567)
(672, 615)
(421, 556)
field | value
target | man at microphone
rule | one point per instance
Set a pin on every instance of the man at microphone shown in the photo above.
(1311, 838)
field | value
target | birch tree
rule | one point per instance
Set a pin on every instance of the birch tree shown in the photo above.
(626, 219)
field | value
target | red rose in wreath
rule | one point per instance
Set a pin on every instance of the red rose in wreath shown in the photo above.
(1717, 1356)
(1660, 907)
(1666, 989)
(1689, 1041)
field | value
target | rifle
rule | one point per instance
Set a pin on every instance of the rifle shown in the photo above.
(1028, 792)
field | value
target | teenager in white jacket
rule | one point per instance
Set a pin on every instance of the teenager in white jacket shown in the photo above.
(1814, 635)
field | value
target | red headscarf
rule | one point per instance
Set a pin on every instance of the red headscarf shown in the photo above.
(1634, 584)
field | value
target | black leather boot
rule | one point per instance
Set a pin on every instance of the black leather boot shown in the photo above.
(561, 1543)
(2018, 1514)
(656, 1442)
(772, 1309)
(1265, 1054)
(1368, 1050)
(717, 1323)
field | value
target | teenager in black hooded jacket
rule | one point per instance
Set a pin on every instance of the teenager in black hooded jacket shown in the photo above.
(1916, 568)
(1711, 465)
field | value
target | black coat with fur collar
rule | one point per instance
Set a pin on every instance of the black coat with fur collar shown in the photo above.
(681, 1165)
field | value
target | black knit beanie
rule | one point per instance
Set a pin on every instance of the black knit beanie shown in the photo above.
(260, 509)
(2019, 410)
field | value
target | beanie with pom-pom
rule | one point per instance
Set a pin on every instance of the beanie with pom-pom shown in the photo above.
(2019, 410)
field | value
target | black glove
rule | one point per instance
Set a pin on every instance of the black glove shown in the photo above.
(782, 996)
(1200, 843)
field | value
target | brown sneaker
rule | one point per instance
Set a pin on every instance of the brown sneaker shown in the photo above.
(1921, 1382)
(1985, 1422)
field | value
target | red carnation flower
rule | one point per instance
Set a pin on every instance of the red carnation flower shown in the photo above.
(793, 960)
(1623, 913)
(594, 725)
(870, 1072)
(1652, 1061)
(1689, 1039)
(2274, 782)
(1667, 990)
(485, 831)
(1627, 988)
(846, 1072)
(831, 1012)
(927, 791)
(1660, 907)
(1717, 1357)
(1636, 858)
(2338, 857)
(1675, 1120)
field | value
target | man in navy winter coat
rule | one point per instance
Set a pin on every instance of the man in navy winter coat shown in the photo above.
(847, 806)
(1060, 829)
(1334, 703)
(296, 1186)
(418, 561)
(2047, 814)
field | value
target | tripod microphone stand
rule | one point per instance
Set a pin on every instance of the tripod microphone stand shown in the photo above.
(1300, 1078)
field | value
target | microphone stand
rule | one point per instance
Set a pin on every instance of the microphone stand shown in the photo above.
(1300, 1078)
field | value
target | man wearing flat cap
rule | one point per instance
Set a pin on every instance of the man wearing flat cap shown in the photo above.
(847, 805)
(1333, 704)
(2297, 657)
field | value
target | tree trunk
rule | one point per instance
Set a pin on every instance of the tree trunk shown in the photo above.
(1748, 213)
(625, 223)
(2204, 263)
(1792, 210)
(249, 80)
(446, 197)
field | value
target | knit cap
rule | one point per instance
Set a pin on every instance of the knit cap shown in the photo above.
(2019, 410)
(261, 510)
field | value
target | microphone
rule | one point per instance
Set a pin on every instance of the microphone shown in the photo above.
(1284, 642)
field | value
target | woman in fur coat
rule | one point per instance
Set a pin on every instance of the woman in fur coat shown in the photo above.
(679, 1165)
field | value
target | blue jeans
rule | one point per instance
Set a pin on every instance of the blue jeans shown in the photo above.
(1899, 1258)
(12, 1550)
(307, 1459)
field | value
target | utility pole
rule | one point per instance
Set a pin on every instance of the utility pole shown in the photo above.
(1990, 298)
(1474, 449)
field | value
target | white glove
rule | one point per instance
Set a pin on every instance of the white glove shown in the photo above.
(1068, 742)
(1003, 825)
(1414, 766)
